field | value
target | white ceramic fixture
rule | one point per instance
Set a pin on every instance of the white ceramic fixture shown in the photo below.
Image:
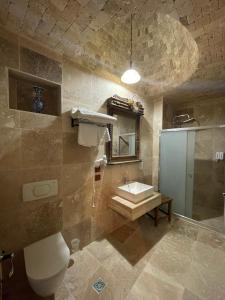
(46, 262)
(135, 191)
(40, 189)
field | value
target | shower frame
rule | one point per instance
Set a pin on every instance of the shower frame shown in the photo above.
(196, 128)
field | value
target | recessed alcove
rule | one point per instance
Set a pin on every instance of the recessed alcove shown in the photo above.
(21, 93)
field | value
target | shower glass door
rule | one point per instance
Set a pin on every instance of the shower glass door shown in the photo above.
(209, 172)
(192, 173)
(176, 169)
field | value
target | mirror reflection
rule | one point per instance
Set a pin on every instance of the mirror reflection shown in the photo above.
(124, 136)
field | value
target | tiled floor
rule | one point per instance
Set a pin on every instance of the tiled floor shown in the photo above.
(217, 223)
(139, 261)
(210, 217)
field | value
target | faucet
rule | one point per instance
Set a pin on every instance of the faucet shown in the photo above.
(125, 180)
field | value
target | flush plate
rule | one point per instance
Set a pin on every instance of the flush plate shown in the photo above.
(40, 190)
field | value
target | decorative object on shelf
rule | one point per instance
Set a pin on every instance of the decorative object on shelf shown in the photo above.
(28, 92)
(127, 104)
(131, 76)
(38, 103)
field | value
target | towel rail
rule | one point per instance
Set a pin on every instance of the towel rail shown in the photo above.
(76, 122)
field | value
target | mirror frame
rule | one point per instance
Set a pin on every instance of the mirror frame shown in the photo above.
(116, 106)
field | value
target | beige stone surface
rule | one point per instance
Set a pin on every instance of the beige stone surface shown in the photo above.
(9, 53)
(207, 111)
(36, 147)
(39, 65)
(132, 211)
(8, 117)
(29, 120)
(41, 148)
(10, 153)
(157, 126)
(179, 261)
(97, 35)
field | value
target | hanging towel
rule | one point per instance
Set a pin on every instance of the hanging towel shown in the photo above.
(107, 135)
(103, 135)
(88, 135)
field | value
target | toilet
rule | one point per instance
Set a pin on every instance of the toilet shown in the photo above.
(46, 262)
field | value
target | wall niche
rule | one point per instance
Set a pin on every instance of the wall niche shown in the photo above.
(23, 94)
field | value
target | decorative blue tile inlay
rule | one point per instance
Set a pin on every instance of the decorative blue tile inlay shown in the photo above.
(99, 286)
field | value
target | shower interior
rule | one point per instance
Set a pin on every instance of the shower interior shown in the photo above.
(184, 119)
(192, 173)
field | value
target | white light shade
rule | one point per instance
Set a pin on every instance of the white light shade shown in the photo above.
(130, 76)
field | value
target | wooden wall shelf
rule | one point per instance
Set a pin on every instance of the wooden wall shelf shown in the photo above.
(133, 211)
(21, 93)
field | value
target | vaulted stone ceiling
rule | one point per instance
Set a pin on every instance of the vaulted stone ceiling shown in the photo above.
(175, 41)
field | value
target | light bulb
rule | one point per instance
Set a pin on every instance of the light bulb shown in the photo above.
(130, 76)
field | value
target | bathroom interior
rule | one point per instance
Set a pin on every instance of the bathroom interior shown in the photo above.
(112, 149)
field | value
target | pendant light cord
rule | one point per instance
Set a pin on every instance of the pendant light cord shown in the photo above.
(131, 40)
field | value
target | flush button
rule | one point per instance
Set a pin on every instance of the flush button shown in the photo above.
(40, 189)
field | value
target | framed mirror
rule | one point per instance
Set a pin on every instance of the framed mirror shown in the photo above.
(125, 133)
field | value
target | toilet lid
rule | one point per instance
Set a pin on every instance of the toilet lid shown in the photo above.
(46, 257)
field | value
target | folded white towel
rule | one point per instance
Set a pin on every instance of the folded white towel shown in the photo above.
(88, 135)
(93, 116)
(103, 134)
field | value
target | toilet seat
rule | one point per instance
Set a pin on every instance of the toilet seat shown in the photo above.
(47, 257)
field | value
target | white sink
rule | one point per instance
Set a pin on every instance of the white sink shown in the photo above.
(135, 191)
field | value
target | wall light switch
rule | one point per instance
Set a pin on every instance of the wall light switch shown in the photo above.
(221, 155)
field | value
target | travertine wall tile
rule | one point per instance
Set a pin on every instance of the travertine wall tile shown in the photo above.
(75, 153)
(41, 148)
(38, 147)
(9, 55)
(209, 111)
(11, 192)
(29, 120)
(10, 145)
(40, 65)
(41, 220)
(75, 177)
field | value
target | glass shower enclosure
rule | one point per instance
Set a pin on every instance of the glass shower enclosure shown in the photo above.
(192, 172)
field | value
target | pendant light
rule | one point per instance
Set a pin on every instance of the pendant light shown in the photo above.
(131, 76)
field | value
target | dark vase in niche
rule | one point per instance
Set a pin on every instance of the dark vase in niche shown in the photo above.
(38, 103)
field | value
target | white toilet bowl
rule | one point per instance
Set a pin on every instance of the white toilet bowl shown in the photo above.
(46, 262)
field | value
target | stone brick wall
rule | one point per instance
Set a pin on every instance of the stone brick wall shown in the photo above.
(96, 34)
(209, 111)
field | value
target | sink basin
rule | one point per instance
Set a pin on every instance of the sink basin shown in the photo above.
(135, 191)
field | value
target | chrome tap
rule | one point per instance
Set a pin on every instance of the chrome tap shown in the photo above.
(125, 180)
